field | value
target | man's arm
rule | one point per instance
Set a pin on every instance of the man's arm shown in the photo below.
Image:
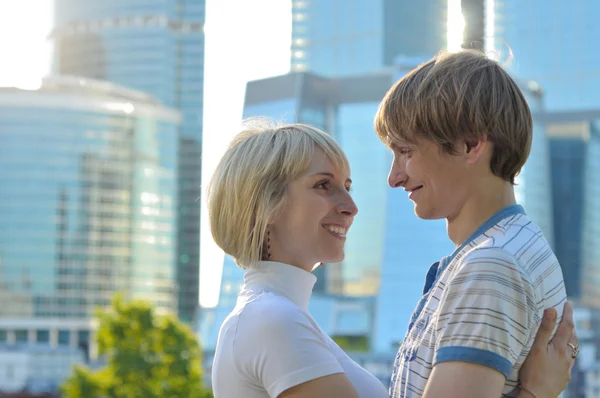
(464, 380)
(546, 371)
(484, 323)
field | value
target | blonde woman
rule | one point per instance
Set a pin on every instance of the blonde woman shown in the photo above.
(279, 204)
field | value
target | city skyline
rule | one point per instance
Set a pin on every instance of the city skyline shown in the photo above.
(265, 48)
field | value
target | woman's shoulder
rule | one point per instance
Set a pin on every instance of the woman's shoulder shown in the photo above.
(271, 314)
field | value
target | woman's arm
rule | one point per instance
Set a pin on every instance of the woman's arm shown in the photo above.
(332, 386)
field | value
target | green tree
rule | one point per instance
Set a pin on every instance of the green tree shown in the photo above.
(147, 355)
(352, 343)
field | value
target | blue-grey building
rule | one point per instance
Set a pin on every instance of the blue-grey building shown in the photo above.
(534, 182)
(577, 208)
(555, 44)
(155, 46)
(568, 148)
(87, 198)
(345, 108)
(337, 38)
(590, 239)
(575, 144)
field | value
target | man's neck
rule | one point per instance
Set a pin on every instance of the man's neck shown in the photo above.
(477, 209)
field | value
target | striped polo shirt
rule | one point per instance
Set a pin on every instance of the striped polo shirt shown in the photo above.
(483, 304)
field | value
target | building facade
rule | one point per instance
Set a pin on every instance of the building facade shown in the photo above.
(559, 52)
(575, 144)
(89, 195)
(154, 46)
(336, 38)
(590, 239)
(534, 182)
(568, 146)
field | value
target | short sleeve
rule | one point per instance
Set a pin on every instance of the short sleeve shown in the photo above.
(277, 346)
(488, 312)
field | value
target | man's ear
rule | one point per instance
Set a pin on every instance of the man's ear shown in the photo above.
(473, 149)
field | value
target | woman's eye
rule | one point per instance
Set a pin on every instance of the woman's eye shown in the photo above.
(322, 185)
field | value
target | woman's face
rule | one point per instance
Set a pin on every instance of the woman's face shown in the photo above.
(317, 215)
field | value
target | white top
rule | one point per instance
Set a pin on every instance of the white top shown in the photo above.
(269, 343)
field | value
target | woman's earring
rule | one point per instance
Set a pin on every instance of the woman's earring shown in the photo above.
(268, 242)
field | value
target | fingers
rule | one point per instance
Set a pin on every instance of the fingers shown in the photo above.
(566, 327)
(574, 340)
(542, 338)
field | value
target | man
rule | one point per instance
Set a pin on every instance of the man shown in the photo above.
(460, 131)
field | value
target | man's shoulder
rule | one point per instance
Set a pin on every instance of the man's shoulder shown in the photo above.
(515, 240)
(514, 235)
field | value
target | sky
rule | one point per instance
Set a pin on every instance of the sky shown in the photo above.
(251, 43)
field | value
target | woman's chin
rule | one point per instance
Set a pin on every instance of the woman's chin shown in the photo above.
(334, 258)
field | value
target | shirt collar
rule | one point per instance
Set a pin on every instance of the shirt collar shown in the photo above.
(286, 280)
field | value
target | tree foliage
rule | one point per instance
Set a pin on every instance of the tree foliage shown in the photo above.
(147, 355)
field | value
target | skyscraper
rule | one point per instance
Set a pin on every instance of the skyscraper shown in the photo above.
(534, 182)
(590, 238)
(568, 147)
(88, 182)
(156, 47)
(560, 49)
(349, 37)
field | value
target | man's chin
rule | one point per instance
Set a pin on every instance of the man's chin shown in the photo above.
(426, 214)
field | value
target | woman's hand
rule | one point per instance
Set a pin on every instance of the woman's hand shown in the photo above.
(547, 369)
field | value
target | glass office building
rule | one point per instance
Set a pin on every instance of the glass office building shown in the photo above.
(345, 108)
(590, 249)
(155, 46)
(560, 51)
(568, 148)
(534, 183)
(337, 38)
(88, 198)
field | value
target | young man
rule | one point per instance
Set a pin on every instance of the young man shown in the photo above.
(461, 130)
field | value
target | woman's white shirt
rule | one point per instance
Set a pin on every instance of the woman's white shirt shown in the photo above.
(270, 343)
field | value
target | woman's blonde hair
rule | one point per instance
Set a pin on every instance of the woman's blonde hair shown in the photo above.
(248, 187)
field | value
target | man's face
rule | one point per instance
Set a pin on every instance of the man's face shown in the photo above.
(435, 181)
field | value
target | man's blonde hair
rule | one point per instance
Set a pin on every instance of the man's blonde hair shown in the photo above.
(248, 187)
(460, 96)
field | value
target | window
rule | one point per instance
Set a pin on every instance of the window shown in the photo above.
(21, 336)
(83, 337)
(42, 337)
(64, 337)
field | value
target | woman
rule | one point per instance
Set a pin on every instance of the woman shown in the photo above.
(279, 203)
